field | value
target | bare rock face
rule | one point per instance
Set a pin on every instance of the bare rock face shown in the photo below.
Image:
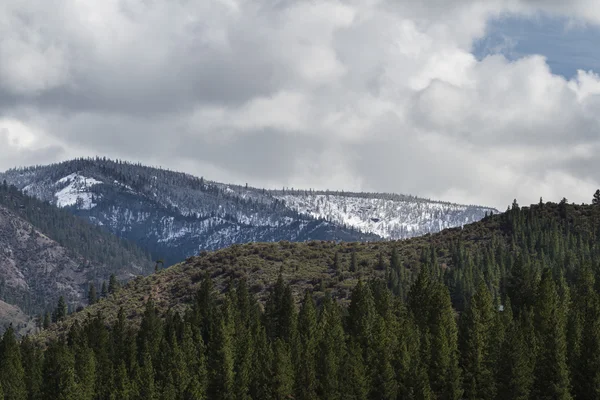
(35, 270)
(22, 323)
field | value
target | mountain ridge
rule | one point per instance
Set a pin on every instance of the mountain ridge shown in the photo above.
(175, 215)
(48, 253)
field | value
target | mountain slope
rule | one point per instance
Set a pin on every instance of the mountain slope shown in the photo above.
(492, 249)
(175, 215)
(390, 216)
(489, 249)
(47, 253)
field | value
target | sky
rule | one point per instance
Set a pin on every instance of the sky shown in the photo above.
(476, 102)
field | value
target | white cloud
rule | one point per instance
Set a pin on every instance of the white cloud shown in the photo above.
(374, 95)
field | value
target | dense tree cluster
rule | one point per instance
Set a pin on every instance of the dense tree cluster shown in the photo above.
(379, 347)
(517, 318)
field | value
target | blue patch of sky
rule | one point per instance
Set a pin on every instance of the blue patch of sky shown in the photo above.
(567, 46)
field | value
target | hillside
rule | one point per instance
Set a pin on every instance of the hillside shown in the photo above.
(487, 249)
(174, 215)
(48, 253)
(483, 311)
(390, 216)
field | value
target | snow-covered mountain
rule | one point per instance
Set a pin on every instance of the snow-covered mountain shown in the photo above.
(175, 215)
(387, 215)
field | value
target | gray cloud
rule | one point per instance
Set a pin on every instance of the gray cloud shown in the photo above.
(375, 95)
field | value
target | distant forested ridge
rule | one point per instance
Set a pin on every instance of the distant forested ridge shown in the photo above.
(48, 252)
(507, 308)
(174, 215)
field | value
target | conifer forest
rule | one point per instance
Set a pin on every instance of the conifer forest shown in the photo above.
(515, 318)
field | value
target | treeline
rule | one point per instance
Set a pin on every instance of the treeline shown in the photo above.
(380, 347)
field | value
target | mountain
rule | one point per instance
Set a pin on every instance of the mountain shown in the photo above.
(494, 250)
(48, 252)
(390, 216)
(175, 215)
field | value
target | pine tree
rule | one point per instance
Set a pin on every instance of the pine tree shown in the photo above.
(104, 291)
(586, 361)
(306, 378)
(85, 372)
(59, 373)
(262, 363)
(280, 312)
(353, 262)
(113, 284)
(12, 374)
(354, 381)
(92, 297)
(47, 321)
(476, 345)
(283, 372)
(221, 359)
(551, 375)
(515, 369)
(122, 388)
(145, 379)
(337, 266)
(31, 358)
(61, 310)
(361, 315)
(379, 361)
(331, 350)
(596, 199)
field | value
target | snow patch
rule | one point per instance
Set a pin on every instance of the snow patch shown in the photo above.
(76, 193)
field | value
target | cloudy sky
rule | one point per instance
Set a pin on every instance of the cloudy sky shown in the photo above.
(468, 101)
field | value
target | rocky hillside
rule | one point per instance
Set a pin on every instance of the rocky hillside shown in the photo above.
(47, 253)
(174, 215)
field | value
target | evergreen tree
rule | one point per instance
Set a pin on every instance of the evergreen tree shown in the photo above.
(515, 369)
(353, 262)
(361, 315)
(122, 388)
(47, 321)
(283, 372)
(596, 199)
(337, 265)
(12, 374)
(354, 381)
(32, 367)
(476, 345)
(551, 375)
(145, 379)
(331, 350)
(113, 284)
(61, 310)
(306, 378)
(59, 373)
(379, 360)
(92, 297)
(221, 360)
(85, 372)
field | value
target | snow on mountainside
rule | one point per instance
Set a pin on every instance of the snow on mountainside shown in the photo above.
(175, 215)
(389, 216)
(76, 192)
